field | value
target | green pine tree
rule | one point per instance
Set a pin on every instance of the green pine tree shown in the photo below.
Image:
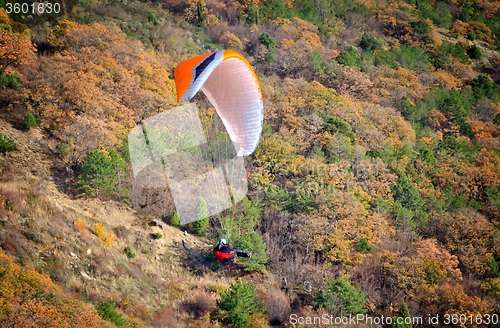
(30, 121)
(108, 313)
(405, 218)
(237, 304)
(364, 246)
(484, 88)
(406, 107)
(369, 43)
(6, 144)
(121, 169)
(202, 221)
(245, 237)
(494, 268)
(253, 242)
(350, 57)
(96, 175)
(200, 12)
(175, 220)
(341, 298)
(153, 19)
(334, 124)
(406, 193)
(401, 320)
(268, 41)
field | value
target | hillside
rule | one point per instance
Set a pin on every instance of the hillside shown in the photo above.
(40, 226)
(374, 190)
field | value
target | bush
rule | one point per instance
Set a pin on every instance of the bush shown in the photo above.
(165, 318)
(421, 27)
(340, 297)
(406, 56)
(238, 304)
(364, 246)
(278, 307)
(152, 18)
(334, 124)
(201, 304)
(268, 41)
(474, 52)
(108, 313)
(30, 121)
(350, 57)
(484, 88)
(10, 81)
(129, 252)
(6, 144)
(492, 286)
(158, 235)
(369, 43)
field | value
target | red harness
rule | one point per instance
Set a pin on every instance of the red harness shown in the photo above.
(223, 254)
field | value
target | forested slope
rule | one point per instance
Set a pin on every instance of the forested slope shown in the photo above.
(375, 188)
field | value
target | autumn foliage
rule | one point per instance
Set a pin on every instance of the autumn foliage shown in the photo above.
(28, 298)
(378, 165)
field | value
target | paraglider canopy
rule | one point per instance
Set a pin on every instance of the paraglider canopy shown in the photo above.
(229, 82)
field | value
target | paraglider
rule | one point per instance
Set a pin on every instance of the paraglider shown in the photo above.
(204, 176)
(230, 84)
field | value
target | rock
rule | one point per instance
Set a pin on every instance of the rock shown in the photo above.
(86, 276)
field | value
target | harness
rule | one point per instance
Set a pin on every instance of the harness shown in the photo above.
(224, 253)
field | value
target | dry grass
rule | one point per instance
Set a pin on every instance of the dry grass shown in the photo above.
(65, 244)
